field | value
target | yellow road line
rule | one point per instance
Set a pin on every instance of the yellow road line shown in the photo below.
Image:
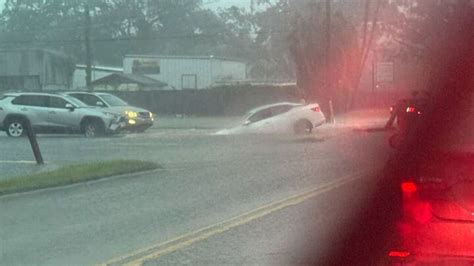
(139, 257)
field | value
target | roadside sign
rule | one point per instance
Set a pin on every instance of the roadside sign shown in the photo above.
(384, 72)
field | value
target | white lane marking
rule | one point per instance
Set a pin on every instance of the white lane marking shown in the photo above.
(17, 162)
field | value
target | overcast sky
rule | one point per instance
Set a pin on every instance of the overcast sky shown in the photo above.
(214, 4)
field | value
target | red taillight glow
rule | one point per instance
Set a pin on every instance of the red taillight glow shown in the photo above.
(408, 187)
(413, 207)
(410, 109)
(398, 254)
(422, 212)
(316, 109)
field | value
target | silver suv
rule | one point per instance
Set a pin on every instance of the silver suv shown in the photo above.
(54, 113)
(138, 119)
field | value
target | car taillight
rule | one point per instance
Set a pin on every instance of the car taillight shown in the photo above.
(414, 207)
(410, 109)
(408, 187)
(316, 109)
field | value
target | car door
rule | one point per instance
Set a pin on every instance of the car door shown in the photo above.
(61, 117)
(34, 107)
(260, 122)
(281, 120)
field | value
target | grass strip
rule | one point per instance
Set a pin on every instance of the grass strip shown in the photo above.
(74, 174)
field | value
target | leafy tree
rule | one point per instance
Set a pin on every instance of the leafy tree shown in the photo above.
(54, 24)
(421, 29)
(119, 27)
(272, 27)
(321, 75)
(423, 35)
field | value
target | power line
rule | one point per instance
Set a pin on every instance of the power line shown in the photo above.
(133, 39)
(81, 27)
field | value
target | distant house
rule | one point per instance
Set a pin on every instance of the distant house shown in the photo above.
(34, 70)
(79, 80)
(186, 72)
(128, 82)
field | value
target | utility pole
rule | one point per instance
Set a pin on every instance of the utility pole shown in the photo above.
(87, 43)
(328, 59)
(328, 38)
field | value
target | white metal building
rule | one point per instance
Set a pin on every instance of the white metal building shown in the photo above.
(34, 70)
(186, 72)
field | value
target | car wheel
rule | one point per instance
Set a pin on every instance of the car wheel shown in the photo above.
(16, 128)
(303, 127)
(92, 129)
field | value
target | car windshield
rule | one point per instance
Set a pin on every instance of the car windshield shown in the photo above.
(236, 132)
(113, 100)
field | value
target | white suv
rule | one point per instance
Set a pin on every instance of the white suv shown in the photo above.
(54, 113)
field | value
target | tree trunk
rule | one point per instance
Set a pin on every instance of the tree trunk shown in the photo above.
(363, 55)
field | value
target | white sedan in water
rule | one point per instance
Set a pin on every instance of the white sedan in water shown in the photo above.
(280, 118)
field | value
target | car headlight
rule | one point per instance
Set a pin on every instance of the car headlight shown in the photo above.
(131, 114)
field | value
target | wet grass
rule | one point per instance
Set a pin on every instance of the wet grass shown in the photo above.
(74, 174)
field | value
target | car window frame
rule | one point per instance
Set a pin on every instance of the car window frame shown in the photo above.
(273, 110)
(269, 109)
(77, 95)
(18, 98)
(276, 111)
(101, 96)
(58, 97)
(98, 98)
(81, 97)
(26, 96)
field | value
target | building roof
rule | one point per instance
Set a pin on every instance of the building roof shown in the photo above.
(37, 50)
(101, 68)
(116, 79)
(204, 57)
